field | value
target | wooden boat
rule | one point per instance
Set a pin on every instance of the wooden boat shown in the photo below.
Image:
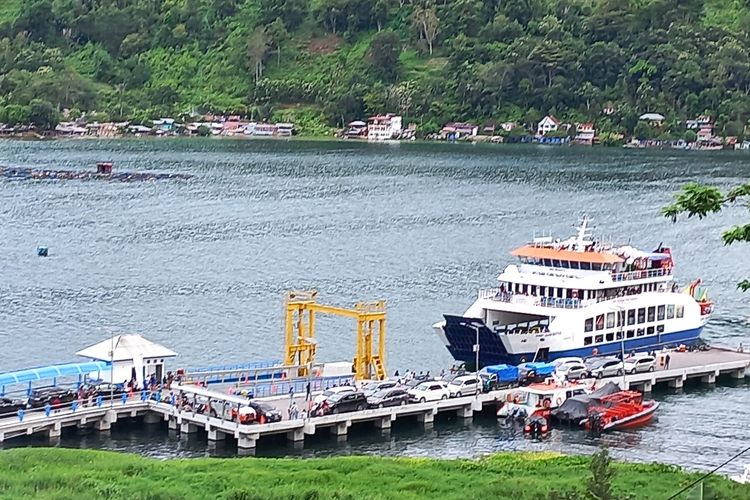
(621, 410)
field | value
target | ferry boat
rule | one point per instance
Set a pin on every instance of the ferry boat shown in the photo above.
(577, 297)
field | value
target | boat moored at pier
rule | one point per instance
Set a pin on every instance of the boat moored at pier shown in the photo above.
(578, 297)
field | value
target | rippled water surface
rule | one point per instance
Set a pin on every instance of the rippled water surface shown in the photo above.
(201, 265)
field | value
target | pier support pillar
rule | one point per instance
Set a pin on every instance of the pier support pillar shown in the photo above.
(709, 379)
(215, 435)
(187, 428)
(427, 418)
(296, 435)
(340, 428)
(647, 387)
(103, 425)
(151, 418)
(465, 412)
(384, 422)
(173, 424)
(247, 441)
(738, 374)
(55, 431)
(309, 428)
(2, 437)
(676, 383)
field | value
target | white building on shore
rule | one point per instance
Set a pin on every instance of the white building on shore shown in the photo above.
(384, 127)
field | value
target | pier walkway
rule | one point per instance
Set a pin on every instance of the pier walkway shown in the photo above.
(705, 366)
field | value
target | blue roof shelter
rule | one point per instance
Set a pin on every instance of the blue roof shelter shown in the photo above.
(52, 372)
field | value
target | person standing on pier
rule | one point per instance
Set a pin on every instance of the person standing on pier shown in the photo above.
(291, 394)
(666, 362)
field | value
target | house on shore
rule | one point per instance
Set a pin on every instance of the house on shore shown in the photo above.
(454, 131)
(356, 130)
(384, 127)
(585, 133)
(653, 119)
(548, 124)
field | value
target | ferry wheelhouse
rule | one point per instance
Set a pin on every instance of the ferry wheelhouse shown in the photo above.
(577, 297)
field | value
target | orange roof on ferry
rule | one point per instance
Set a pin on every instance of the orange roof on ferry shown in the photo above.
(559, 254)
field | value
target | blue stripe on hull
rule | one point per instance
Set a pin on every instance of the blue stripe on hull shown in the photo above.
(461, 336)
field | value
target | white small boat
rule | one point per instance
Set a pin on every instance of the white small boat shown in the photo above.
(539, 399)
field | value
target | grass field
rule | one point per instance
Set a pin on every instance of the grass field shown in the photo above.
(63, 473)
(9, 10)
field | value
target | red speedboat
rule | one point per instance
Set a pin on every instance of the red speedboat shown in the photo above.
(621, 410)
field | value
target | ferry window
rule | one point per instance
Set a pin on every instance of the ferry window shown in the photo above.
(533, 290)
(599, 339)
(587, 341)
(560, 292)
(618, 335)
(650, 330)
(596, 267)
(642, 315)
(600, 322)
(588, 326)
(548, 262)
(670, 311)
(630, 334)
(565, 264)
(586, 266)
(610, 320)
(660, 313)
(610, 337)
(641, 332)
(680, 311)
(574, 265)
(555, 263)
(631, 317)
(651, 314)
(659, 328)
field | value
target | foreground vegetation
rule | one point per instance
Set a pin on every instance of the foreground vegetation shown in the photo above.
(325, 62)
(63, 473)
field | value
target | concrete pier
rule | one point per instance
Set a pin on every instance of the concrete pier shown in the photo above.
(704, 366)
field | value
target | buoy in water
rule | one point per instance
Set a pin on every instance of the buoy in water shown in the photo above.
(42, 251)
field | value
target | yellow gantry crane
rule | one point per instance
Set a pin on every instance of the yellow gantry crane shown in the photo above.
(299, 328)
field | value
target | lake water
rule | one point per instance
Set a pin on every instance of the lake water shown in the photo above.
(201, 265)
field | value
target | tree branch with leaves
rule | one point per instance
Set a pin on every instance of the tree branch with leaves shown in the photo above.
(701, 201)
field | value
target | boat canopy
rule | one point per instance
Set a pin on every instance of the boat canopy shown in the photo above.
(53, 371)
(577, 407)
(537, 252)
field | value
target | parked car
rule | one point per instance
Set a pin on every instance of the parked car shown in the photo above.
(244, 415)
(572, 371)
(265, 412)
(465, 385)
(560, 362)
(604, 367)
(105, 390)
(341, 402)
(411, 384)
(640, 364)
(54, 396)
(333, 390)
(377, 386)
(10, 406)
(395, 396)
(430, 391)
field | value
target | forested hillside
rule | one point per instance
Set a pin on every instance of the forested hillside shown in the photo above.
(324, 62)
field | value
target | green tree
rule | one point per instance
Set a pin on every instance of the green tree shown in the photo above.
(700, 200)
(427, 23)
(385, 49)
(643, 131)
(43, 114)
(599, 485)
(257, 46)
(277, 35)
(690, 136)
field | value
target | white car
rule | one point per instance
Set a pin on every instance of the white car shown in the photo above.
(465, 385)
(430, 391)
(377, 386)
(572, 371)
(561, 362)
(333, 390)
(640, 364)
